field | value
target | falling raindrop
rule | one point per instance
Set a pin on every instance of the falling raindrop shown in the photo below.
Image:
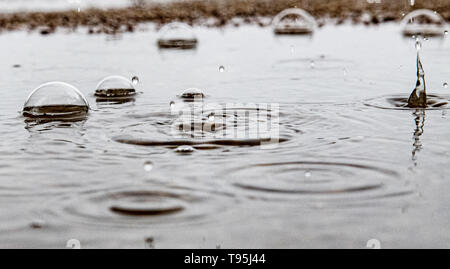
(418, 45)
(211, 116)
(148, 166)
(445, 85)
(445, 32)
(221, 69)
(412, 2)
(312, 64)
(135, 80)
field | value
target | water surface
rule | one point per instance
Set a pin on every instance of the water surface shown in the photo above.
(346, 169)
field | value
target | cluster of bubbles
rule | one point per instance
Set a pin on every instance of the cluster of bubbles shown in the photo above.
(61, 100)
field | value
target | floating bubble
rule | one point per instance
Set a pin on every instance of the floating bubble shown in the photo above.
(423, 22)
(192, 93)
(177, 35)
(221, 69)
(185, 149)
(55, 100)
(115, 86)
(294, 21)
(445, 85)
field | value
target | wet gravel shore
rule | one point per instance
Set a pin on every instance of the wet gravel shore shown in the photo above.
(215, 13)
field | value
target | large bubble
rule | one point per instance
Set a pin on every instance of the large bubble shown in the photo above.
(294, 21)
(423, 22)
(178, 36)
(115, 87)
(55, 99)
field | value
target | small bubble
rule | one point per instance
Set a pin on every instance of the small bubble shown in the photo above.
(445, 85)
(312, 64)
(148, 166)
(221, 69)
(184, 149)
(135, 80)
(38, 224)
(445, 32)
(307, 174)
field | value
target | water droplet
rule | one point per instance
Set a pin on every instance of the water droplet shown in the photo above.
(307, 174)
(445, 85)
(221, 69)
(445, 32)
(312, 64)
(148, 166)
(418, 45)
(172, 104)
(184, 149)
(412, 2)
(211, 116)
(135, 80)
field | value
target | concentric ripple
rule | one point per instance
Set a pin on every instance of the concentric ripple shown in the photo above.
(137, 207)
(400, 102)
(323, 180)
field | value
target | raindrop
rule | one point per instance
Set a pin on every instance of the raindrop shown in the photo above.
(211, 116)
(307, 174)
(445, 85)
(312, 64)
(172, 104)
(55, 99)
(221, 69)
(445, 32)
(148, 166)
(115, 86)
(418, 45)
(412, 2)
(135, 80)
(184, 149)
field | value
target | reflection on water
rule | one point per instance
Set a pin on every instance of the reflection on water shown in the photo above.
(418, 131)
(149, 168)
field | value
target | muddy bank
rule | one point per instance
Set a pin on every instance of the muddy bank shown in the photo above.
(214, 13)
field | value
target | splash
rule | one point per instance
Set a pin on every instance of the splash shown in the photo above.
(418, 97)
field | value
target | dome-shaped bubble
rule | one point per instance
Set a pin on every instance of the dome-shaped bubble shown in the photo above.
(423, 22)
(115, 86)
(177, 35)
(192, 93)
(294, 21)
(55, 99)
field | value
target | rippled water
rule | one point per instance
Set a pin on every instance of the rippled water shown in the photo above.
(350, 165)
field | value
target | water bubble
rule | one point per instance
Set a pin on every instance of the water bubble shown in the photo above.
(445, 85)
(177, 35)
(185, 149)
(423, 22)
(172, 104)
(221, 69)
(55, 99)
(294, 21)
(38, 224)
(115, 86)
(308, 174)
(445, 32)
(312, 64)
(211, 116)
(135, 80)
(192, 93)
(148, 166)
